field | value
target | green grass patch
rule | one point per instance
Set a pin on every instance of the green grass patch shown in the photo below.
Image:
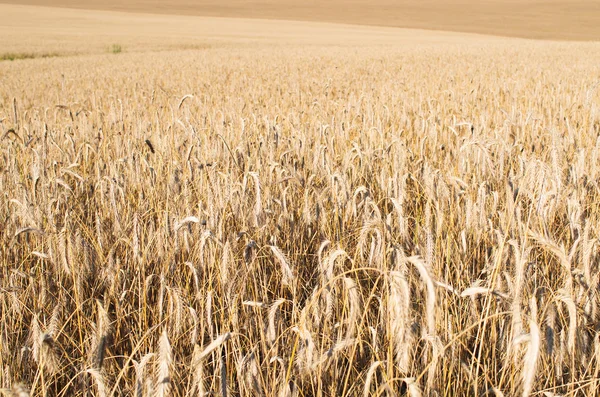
(115, 49)
(12, 56)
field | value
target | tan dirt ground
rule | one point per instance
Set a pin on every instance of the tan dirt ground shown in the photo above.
(540, 19)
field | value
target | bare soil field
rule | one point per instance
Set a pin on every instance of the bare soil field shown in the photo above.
(542, 19)
(58, 31)
(204, 206)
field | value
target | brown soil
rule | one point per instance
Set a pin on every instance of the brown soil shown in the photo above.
(540, 19)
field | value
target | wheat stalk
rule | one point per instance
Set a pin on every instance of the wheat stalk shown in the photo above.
(163, 368)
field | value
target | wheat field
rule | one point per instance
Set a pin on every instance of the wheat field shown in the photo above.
(295, 209)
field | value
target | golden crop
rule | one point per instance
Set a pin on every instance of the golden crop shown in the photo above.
(302, 220)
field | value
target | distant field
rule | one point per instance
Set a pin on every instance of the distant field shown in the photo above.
(544, 19)
(33, 30)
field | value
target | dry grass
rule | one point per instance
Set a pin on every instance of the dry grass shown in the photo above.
(302, 220)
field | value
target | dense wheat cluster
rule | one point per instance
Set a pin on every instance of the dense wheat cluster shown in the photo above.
(307, 221)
